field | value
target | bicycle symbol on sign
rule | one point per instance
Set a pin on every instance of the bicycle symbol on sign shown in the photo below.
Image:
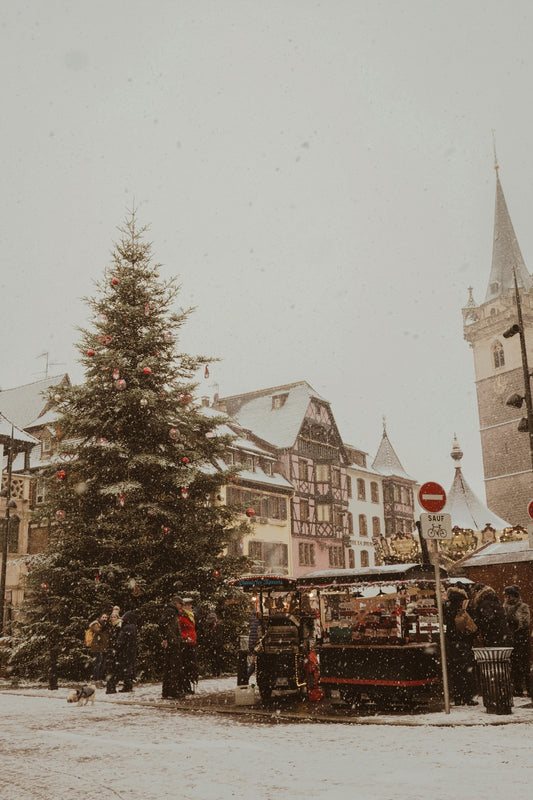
(436, 531)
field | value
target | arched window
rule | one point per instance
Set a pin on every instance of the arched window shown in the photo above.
(365, 561)
(497, 355)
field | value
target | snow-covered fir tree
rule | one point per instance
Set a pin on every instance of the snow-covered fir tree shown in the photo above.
(132, 498)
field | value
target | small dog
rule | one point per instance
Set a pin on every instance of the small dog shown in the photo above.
(83, 695)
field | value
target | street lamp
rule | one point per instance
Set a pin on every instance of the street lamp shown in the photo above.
(516, 400)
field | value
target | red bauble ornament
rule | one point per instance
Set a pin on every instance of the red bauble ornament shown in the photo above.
(250, 512)
(60, 515)
(115, 374)
(61, 475)
(120, 384)
(184, 493)
(147, 371)
(115, 281)
(184, 460)
(90, 352)
(121, 500)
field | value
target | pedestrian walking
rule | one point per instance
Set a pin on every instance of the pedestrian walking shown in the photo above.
(171, 642)
(518, 621)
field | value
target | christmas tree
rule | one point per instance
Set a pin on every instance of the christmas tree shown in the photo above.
(132, 500)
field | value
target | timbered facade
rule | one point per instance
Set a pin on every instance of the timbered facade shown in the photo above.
(300, 425)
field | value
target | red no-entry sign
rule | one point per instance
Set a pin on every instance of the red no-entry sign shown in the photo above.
(432, 496)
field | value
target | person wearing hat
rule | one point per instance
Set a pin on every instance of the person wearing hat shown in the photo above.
(171, 642)
(489, 616)
(518, 621)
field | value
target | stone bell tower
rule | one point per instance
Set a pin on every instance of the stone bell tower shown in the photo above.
(498, 369)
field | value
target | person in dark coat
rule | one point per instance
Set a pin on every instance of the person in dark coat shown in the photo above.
(490, 617)
(459, 654)
(127, 650)
(112, 665)
(189, 639)
(171, 642)
(518, 620)
(213, 643)
(99, 647)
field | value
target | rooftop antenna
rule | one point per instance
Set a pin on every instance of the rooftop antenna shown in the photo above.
(49, 363)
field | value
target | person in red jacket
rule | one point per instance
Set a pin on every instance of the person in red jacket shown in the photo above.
(188, 636)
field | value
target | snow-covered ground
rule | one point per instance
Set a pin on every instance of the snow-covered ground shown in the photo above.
(138, 747)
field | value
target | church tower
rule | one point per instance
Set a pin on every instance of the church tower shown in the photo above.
(499, 371)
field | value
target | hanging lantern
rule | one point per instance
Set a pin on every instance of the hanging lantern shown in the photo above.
(184, 493)
(90, 352)
(115, 374)
(143, 401)
(61, 475)
(250, 512)
(120, 384)
(147, 371)
(184, 460)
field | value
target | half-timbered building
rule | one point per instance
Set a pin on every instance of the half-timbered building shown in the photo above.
(299, 424)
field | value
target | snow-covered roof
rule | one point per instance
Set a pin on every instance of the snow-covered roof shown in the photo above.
(7, 428)
(499, 553)
(25, 404)
(277, 425)
(386, 461)
(466, 510)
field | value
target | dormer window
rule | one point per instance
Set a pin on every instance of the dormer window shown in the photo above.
(498, 355)
(46, 444)
(278, 400)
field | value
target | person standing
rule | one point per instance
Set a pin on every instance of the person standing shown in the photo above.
(171, 642)
(518, 620)
(127, 650)
(214, 643)
(112, 669)
(99, 647)
(188, 635)
(490, 617)
(459, 653)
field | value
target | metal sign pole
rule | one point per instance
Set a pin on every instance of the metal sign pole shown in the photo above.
(444, 666)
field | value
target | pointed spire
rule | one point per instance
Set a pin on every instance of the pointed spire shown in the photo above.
(505, 250)
(466, 510)
(386, 460)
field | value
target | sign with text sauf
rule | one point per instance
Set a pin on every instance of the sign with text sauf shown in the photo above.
(436, 526)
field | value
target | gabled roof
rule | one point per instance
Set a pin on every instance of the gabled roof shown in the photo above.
(7, 428)
(505, 252)
(386, 461)
(278, 426)
(25, 404)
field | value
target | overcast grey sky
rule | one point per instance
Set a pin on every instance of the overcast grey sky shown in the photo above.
(319, 175)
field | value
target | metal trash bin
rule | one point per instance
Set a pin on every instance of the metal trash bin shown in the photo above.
(494, 668)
